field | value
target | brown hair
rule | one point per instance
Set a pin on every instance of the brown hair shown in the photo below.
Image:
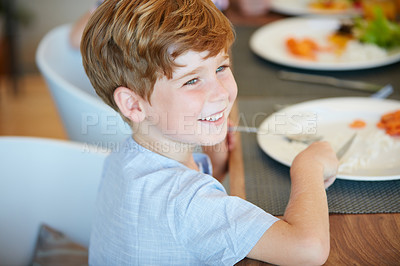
(131, 43)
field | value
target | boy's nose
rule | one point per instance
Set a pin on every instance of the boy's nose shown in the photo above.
(218, 92)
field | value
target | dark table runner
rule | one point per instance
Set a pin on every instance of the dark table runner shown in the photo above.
(268, 182)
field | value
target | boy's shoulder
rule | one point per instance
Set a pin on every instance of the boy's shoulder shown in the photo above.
(133, 170)
(129, 149)
(133, 160)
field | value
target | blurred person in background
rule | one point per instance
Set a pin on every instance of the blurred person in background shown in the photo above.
(252, 7)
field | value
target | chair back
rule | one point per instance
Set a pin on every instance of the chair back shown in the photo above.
(86, 118)
(45, 181)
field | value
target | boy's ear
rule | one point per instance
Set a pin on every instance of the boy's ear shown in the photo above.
(129, 103)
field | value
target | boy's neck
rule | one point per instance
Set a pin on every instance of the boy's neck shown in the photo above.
(177, 151)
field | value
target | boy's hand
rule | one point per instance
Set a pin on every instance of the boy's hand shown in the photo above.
(230, 137)
(319, 154)
(219, 154)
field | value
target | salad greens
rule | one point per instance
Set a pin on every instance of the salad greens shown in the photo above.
(379, 31)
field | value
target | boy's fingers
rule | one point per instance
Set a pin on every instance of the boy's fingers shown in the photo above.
(329, 182)
(231, 141)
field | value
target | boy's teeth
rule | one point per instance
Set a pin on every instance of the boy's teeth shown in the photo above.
(213, 117)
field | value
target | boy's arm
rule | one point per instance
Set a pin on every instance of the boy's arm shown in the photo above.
(302, 236)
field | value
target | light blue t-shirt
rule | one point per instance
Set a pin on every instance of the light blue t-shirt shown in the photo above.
(152, 210)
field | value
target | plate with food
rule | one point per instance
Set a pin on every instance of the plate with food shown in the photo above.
(308, 7)
(326, 43)
(375, 152)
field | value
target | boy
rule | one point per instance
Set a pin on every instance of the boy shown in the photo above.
(165, 66)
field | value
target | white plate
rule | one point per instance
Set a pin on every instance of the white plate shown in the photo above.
(331, 118)
(301, 7)
(269, 43)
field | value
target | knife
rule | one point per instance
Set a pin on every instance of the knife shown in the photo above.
(348, 84)
(345, 147)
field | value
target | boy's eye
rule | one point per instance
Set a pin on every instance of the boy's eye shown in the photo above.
(221, 68)
(191, 82)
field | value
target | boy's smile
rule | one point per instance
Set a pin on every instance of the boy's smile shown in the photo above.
(213, 118)
(193, 106)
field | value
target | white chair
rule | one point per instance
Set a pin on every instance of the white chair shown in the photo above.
(45, 181)
(85, 117)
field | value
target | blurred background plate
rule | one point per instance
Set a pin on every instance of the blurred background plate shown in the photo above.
(301, 7)
(269, 42)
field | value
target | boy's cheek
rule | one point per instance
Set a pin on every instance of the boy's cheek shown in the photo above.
(234, 92)
(233, 85)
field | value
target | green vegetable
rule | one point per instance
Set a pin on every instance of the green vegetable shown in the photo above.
(379, 31)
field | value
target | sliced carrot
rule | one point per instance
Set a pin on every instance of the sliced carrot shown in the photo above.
(390, 122)
(387, 117)
(380, 125)
(311, 44)
(358, 124)
(304, 48)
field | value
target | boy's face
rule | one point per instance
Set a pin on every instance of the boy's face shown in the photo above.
(194, 105)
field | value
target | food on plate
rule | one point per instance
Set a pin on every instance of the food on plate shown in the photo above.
(339, 42)
(305, 48)
(341, 37)
(358, 123)
(356, 40)
(379, 30)
(388, 7)
(332, 5)
(390, 122)
(367, 149)
(345, 50)
(369, 145)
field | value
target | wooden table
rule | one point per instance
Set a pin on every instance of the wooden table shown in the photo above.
(357, 239)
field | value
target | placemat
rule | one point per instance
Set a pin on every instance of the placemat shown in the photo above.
(268, 182)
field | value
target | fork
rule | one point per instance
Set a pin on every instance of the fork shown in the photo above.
(303, 138)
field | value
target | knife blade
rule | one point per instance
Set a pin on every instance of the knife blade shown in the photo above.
(326, 80)
(345, 147)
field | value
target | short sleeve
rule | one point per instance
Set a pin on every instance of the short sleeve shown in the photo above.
(217, 228)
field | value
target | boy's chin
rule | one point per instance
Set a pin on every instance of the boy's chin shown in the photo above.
(210, 138)
(214, 141)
